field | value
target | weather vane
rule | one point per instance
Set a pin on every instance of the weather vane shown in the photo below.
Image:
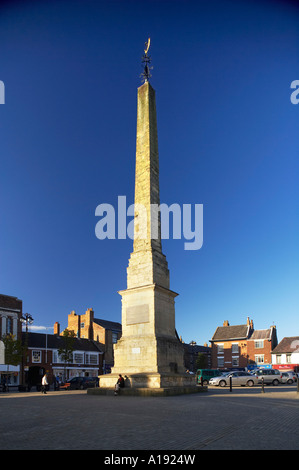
(146, 60)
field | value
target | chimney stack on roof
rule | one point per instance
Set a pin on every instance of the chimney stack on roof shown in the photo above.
(56, 328)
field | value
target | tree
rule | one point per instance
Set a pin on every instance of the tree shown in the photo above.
(201, 361)
(66, 351)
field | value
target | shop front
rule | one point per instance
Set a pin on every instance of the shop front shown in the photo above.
(9, 376)
(287, 367)
(68, 372)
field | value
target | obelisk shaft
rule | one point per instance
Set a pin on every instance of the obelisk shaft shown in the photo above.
(147, 264)
(147, 165)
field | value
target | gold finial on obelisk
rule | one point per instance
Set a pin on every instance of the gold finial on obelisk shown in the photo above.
(146, 60)
(147, 45)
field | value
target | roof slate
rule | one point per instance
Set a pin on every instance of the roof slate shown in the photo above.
(41, 340)
(108, 325)
(261, 334)
(287, 345)
(196, 348)
(226, 333)
(9, 302)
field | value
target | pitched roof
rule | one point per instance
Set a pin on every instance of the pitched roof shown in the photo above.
(108, 325)
(7, 302)
(227, 333)
(196, 348)
(287, 345)
(41, 340)
(261, 334)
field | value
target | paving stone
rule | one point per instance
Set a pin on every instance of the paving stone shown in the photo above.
(218, 419)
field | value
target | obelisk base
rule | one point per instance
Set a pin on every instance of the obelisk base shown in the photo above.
(149, 380)
(148, 392)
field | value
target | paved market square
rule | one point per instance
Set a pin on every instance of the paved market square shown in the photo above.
(218, 419)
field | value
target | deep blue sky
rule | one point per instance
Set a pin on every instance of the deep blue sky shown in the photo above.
(228, 139)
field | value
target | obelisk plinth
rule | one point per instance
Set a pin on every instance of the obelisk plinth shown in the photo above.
(149, 352)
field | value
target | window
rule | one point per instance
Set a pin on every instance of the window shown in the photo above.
(259, 359)
(220, 361)
(78, 358)
(278, 359)
(9, 326)
(220, 348)
(91, 358)
(259, 344)
(56, 358)
(235, 361)
(82, 325)
(289, 358)
(36, 356)
(114, 338)
(235, 348)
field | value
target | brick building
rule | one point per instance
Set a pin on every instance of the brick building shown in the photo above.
(42, 356)
(191, 352)
(260, 345)
(11, 309)
(240, 346)
(104, 332)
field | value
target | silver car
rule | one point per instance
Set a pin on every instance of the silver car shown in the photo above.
(238, 378)
(288, 377)
(269, 376)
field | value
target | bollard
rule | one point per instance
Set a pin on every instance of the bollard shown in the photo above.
(230, 384)
(263, 390)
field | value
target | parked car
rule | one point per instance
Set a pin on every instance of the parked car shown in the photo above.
(270, 376)
(80, 383)
(288, 377)
(238, 378)
(206, 375)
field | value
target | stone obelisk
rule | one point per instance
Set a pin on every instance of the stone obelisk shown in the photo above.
(149, 352)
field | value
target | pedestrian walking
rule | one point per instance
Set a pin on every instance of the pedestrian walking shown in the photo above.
(3, 382)
(54, 383)
(44, 383)
(57, 382)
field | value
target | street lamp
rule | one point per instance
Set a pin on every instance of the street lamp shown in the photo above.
(27, 319)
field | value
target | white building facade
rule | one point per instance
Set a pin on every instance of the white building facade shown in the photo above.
(286, 354)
